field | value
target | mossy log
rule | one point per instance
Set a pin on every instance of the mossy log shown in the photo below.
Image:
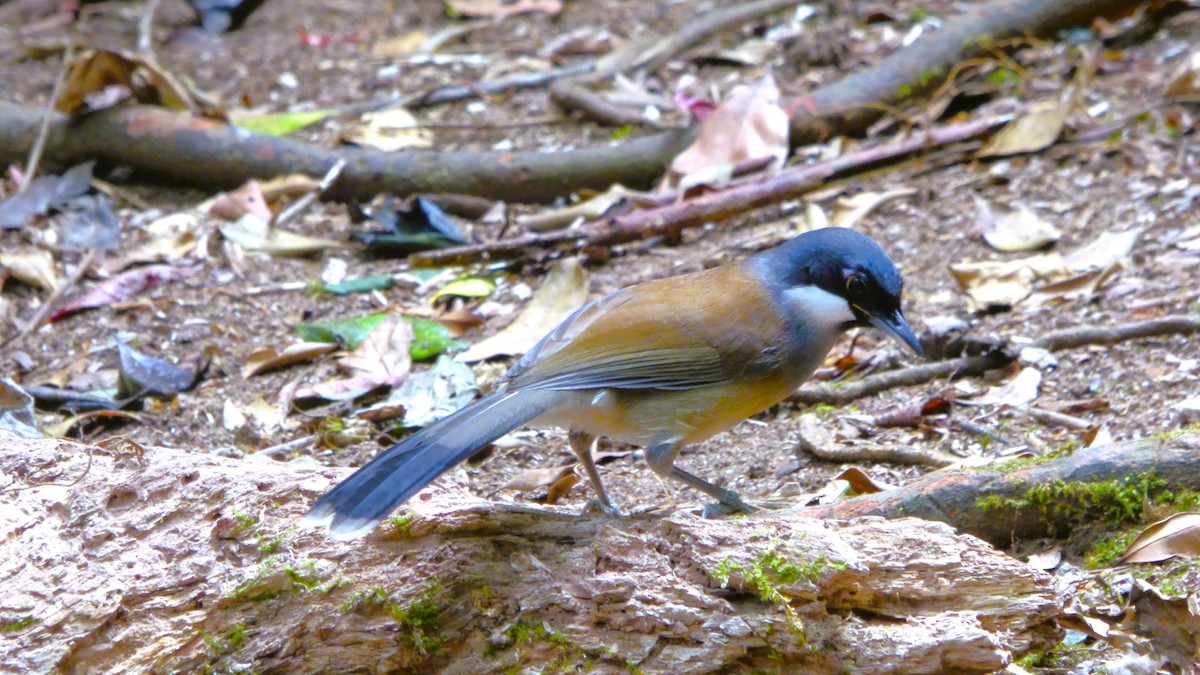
(132, 560)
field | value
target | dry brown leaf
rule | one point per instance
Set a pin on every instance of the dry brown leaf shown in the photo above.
(247, 199)
(1171, 624)
(749, 124)
(851, 210)
(1185, 79)
(252, 233)
(269, 358)
(1046, 560)
(381, 359)
(102, 78)
(459, 321)
(561, 487)
(1178, 535)
(992, 284)
(400, 46)
(34, 267)
(1035, 129)
(563, 292)
(1018, 229)
(861, 483)
(1103, 252)
(389, 130)
(288, 187)
(1019, 391)
(492, 8)
(536, 479)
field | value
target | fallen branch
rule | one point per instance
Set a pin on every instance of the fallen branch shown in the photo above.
(158, 560)
(1081, 336)
(953, 496)
(844, 393)
(733, 200)
(1067, 338)
(221, 157)
(852, 104)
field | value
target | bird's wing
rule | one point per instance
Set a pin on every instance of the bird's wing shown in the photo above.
(678, 333)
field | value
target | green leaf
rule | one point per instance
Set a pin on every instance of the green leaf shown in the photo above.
(469, 287)
(280, 124)
(377, 282)
(430, 338)
(349, 332)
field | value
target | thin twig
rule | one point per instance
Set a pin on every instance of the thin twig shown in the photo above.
(44, 310)
(735, 199)
(1056, 418)
(1067, 338)
(145, 43)
(891, 454)
(39, 144)
(300, 205)
(842, 394)
(280, 451)
(1070, 338)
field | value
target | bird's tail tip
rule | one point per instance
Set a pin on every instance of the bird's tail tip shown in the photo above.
(337, 526)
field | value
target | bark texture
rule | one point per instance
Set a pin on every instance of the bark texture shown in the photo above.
(156, 560)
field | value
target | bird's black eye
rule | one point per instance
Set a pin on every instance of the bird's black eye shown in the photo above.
(856, 286)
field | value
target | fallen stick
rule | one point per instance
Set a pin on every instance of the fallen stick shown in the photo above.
(1067, 338)
(220, 157)
(736, 199)
(953, 496)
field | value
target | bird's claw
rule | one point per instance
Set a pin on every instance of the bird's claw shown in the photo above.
(726, 508)
(595, 507)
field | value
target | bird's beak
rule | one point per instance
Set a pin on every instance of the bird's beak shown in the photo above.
(898, 329)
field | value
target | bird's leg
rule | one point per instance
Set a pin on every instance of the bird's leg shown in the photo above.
(661, 457)
(582, 442)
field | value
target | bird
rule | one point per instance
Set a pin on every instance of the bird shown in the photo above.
(661, 365)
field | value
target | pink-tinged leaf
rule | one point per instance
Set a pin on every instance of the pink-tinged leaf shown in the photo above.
(246, 199)
(698, 108)
(749, 124)
(381, 359)
(124, 286)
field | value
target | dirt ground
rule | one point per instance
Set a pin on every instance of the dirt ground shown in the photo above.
(1146, 175)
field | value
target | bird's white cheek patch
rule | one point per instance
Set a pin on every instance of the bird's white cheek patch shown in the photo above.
(818, 308)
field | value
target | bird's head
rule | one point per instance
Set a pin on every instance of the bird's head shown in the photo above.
(836, 279)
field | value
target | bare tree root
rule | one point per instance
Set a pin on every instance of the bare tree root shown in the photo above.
(205, 155)
(1068, 338)
(1026, 502)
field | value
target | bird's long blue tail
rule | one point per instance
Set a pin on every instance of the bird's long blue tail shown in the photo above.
(357, 504)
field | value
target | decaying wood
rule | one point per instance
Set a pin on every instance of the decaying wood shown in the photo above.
(157, 560)
(952, 496)
(220, 157)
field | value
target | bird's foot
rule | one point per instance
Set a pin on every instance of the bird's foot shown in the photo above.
(595, 507)
(729, 506)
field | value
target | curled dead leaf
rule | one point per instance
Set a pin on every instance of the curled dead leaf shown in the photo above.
(1178, 535)
(563, 292)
